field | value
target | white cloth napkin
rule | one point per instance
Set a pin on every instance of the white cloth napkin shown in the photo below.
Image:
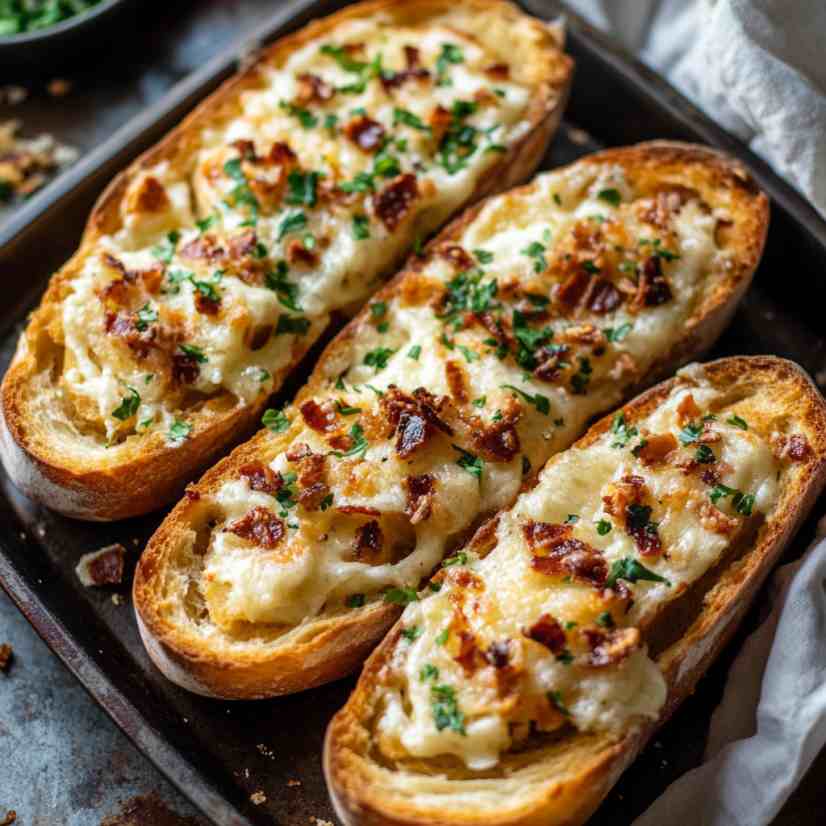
(758, 67)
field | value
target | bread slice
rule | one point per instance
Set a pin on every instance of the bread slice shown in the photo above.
(210, 266)
(563, 647)
(427, 413)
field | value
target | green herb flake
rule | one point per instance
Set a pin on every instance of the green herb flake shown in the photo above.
(354, 601)
(275, 420)
(414, 352)
(179, 431)
(129, 405)
(603, 527)
(401, 596)
(378, 358)
(359, 446)
(411, 633)
(361, 227)
(610, 196)
(617, 334)
(446, 712)
(540, 402)
(474, 465)
(736, 421)
(632, 571)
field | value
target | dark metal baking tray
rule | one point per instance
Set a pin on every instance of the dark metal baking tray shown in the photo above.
(219, 753)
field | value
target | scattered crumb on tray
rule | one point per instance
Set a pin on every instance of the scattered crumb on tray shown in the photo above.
(293, 783)
(6, 655)
(578, 136)
(59, 87)
(13, 95)
(11, 817)
(257, 798)
(317, 821)
(267, 752)
(27, 163)
(102, 567)
(117, 599)
(147, 809)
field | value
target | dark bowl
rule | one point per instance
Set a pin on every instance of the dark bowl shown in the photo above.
(45, 51)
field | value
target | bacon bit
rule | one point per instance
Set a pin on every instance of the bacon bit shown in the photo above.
(603, 297)
(498, 654)
(204, 248)
(456, 380)
(498, 71)
(123, 326)
(687, 409)
(484, 539)
(369, 539)
(298, 452)
(666, 203)
(311, 476)
(280, 154)
(795, 448)
(456, 255)
(626, 500)
(653, 288)
(116, 264)
(150, 196)
(246, 149)
(610, 647)
(299, 255)
(713, 519)
(439, 122)
(362, 510)
(412, 432)
(499, 441)
(551, 368)
(586, 334)
(242, 244)
(312, 89)
(366, 133)
(468, 652)
(102, 567)
(570, 292)
(261, 478)
(708, 436)
(420, 493)
(412, 418)
(185, 368)
(260, 526)
(413, 71)
(192, 494)
(655, 449)
(317, 417)
(258, 336)
(206, 305)
(548, 632)
(393, 202)
(710, 477)
(152, 278)
(562, 555)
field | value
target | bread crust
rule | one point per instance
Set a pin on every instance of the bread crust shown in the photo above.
(145, 473)
(550, 791)
(332, 647)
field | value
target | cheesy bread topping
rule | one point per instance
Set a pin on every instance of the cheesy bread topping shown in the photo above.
(539, 625)
(228, 266)
(487, 358)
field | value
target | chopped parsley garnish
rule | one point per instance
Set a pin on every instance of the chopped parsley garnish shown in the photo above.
(540, 402)
(721, 492)
(743, 503)
(528, 340)
(483, 256)
(354, 601)
(467, 292)
(363, 182)
(301, 188)
(401, 596)
(450, 54)
(571, 519)
(565, 657)
(631, 570)
(378, 358)
(241, 194)
(360, 444)
(411, 633)
(346, 409)
(409, 119)
(166, 249)
(378, 309)
(480, 402)
(469, 354)
(129, 405)
(736, 421)
(457, 559)
(305, 117)
(526, 465)
(690, 433)
(603, 527)
(474, 465)
(536, 251)
(361, 227)
(145, 316)
(606, 620)
(442, 637)
(286, 291)
(705, 455)
(615, 334)
(204, 224)
(330, 122)
(446, 713)
(658, 250)
(294, 222)
(623, 432)
(590, 267)
(581, 379)
(610, 196)
(459, 141)
(555, 699)
(207, 290)
(193, 352)
(429, 672)
(179, 430)
(275, 420)
(414, 352)
(292, 325)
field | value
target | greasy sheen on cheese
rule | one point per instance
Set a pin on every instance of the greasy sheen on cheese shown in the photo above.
(228, 266)
(486, 359)
(541, 626)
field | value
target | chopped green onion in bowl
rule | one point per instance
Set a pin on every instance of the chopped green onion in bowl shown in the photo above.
(21, 16)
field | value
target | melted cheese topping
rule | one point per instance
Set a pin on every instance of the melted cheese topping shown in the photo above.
(435, 705)
(521, 242)
(320, 239)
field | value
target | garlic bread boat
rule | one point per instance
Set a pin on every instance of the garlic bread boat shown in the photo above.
(528, 316)
(531, 672)
(210, 266)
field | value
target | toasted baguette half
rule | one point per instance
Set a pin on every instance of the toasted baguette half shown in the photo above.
(559, 659)
(288, 561)
(210, 266)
